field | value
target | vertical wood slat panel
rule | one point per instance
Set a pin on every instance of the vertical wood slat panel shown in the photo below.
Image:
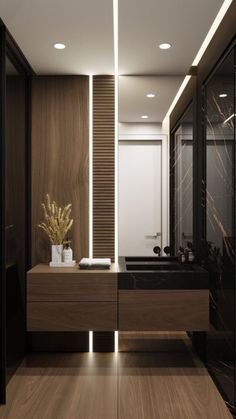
(104, 166)
(60, 147)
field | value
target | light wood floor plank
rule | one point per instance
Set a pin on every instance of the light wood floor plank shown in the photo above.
(169, 383)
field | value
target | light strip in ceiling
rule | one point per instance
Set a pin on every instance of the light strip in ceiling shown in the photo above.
(201, 51)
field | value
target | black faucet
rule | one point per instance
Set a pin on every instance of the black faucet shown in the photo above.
(157, 250)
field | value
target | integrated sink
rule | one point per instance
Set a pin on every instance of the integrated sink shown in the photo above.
(160, 272)
(158, 267)
(160, 293)
(161, 263)
(156, 259)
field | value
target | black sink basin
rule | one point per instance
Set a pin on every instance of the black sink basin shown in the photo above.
(156, 259)
(164, 272)
(159, 266)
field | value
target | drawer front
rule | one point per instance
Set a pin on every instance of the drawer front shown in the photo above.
(72, 287)
(71, 317)
(164, 310)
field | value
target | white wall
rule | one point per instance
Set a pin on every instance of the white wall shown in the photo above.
(139, 131)
(153, 131)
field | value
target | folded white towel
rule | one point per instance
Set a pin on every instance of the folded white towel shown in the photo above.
(95, 262)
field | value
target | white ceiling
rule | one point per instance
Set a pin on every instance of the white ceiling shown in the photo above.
(143, 25)
(86, 27)
(133, 101)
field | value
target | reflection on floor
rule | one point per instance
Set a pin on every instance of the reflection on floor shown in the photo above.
(162, 379)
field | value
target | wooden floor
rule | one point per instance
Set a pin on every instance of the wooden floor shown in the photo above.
(163, 380)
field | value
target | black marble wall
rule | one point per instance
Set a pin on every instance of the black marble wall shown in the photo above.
(220, 224)
(183, 181)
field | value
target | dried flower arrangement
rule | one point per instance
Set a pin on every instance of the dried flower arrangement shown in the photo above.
(57, 221)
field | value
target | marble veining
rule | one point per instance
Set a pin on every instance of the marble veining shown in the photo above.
(219, 253)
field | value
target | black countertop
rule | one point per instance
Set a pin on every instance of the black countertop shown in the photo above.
(160, 273)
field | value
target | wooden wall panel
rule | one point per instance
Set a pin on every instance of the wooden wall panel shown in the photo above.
(60, 144)
(104, 166)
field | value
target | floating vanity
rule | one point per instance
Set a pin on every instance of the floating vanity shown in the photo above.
(71, 299)
(136, 295)
(162, 294)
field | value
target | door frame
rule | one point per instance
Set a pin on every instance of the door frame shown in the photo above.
(161, 139)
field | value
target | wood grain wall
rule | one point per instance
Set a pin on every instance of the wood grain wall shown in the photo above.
(104, 166)
(60, 145)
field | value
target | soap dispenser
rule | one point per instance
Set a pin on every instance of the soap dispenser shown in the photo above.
(67, 254)
(181, 255)
(191, 256)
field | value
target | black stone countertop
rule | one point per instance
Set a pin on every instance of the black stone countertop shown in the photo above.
(160, 273)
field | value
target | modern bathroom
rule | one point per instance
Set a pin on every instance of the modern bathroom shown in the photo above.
(117, 165)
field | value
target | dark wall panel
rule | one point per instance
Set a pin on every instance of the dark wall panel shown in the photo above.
(60, 149)
(15, 198)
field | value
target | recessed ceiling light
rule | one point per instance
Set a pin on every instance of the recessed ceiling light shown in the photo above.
(150, 95)
(165, 45)
(223, 95)
(144, 116)
(59, 45)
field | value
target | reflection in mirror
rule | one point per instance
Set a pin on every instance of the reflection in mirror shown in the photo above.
(143, 103)
(183, 174)
(15, 215)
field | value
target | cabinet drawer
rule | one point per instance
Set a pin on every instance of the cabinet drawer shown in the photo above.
(164, 310)
(59, 316)
(72, 287)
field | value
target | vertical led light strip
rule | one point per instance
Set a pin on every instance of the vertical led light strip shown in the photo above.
(90, 341)
(90, 184)
(116, 343)
(90, 166)
(116, 72)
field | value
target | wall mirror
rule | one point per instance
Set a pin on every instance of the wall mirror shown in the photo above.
(143, 156)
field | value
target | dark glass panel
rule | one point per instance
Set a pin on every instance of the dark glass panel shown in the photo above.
(15, 216)
(220, 223)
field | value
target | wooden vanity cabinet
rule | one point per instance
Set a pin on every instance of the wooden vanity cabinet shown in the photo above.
(164, 310)
(74, 300)
(71, 299)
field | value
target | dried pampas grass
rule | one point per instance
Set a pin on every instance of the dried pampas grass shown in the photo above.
(57, 221)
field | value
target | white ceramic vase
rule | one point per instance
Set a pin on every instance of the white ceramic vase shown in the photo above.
(57, 253)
